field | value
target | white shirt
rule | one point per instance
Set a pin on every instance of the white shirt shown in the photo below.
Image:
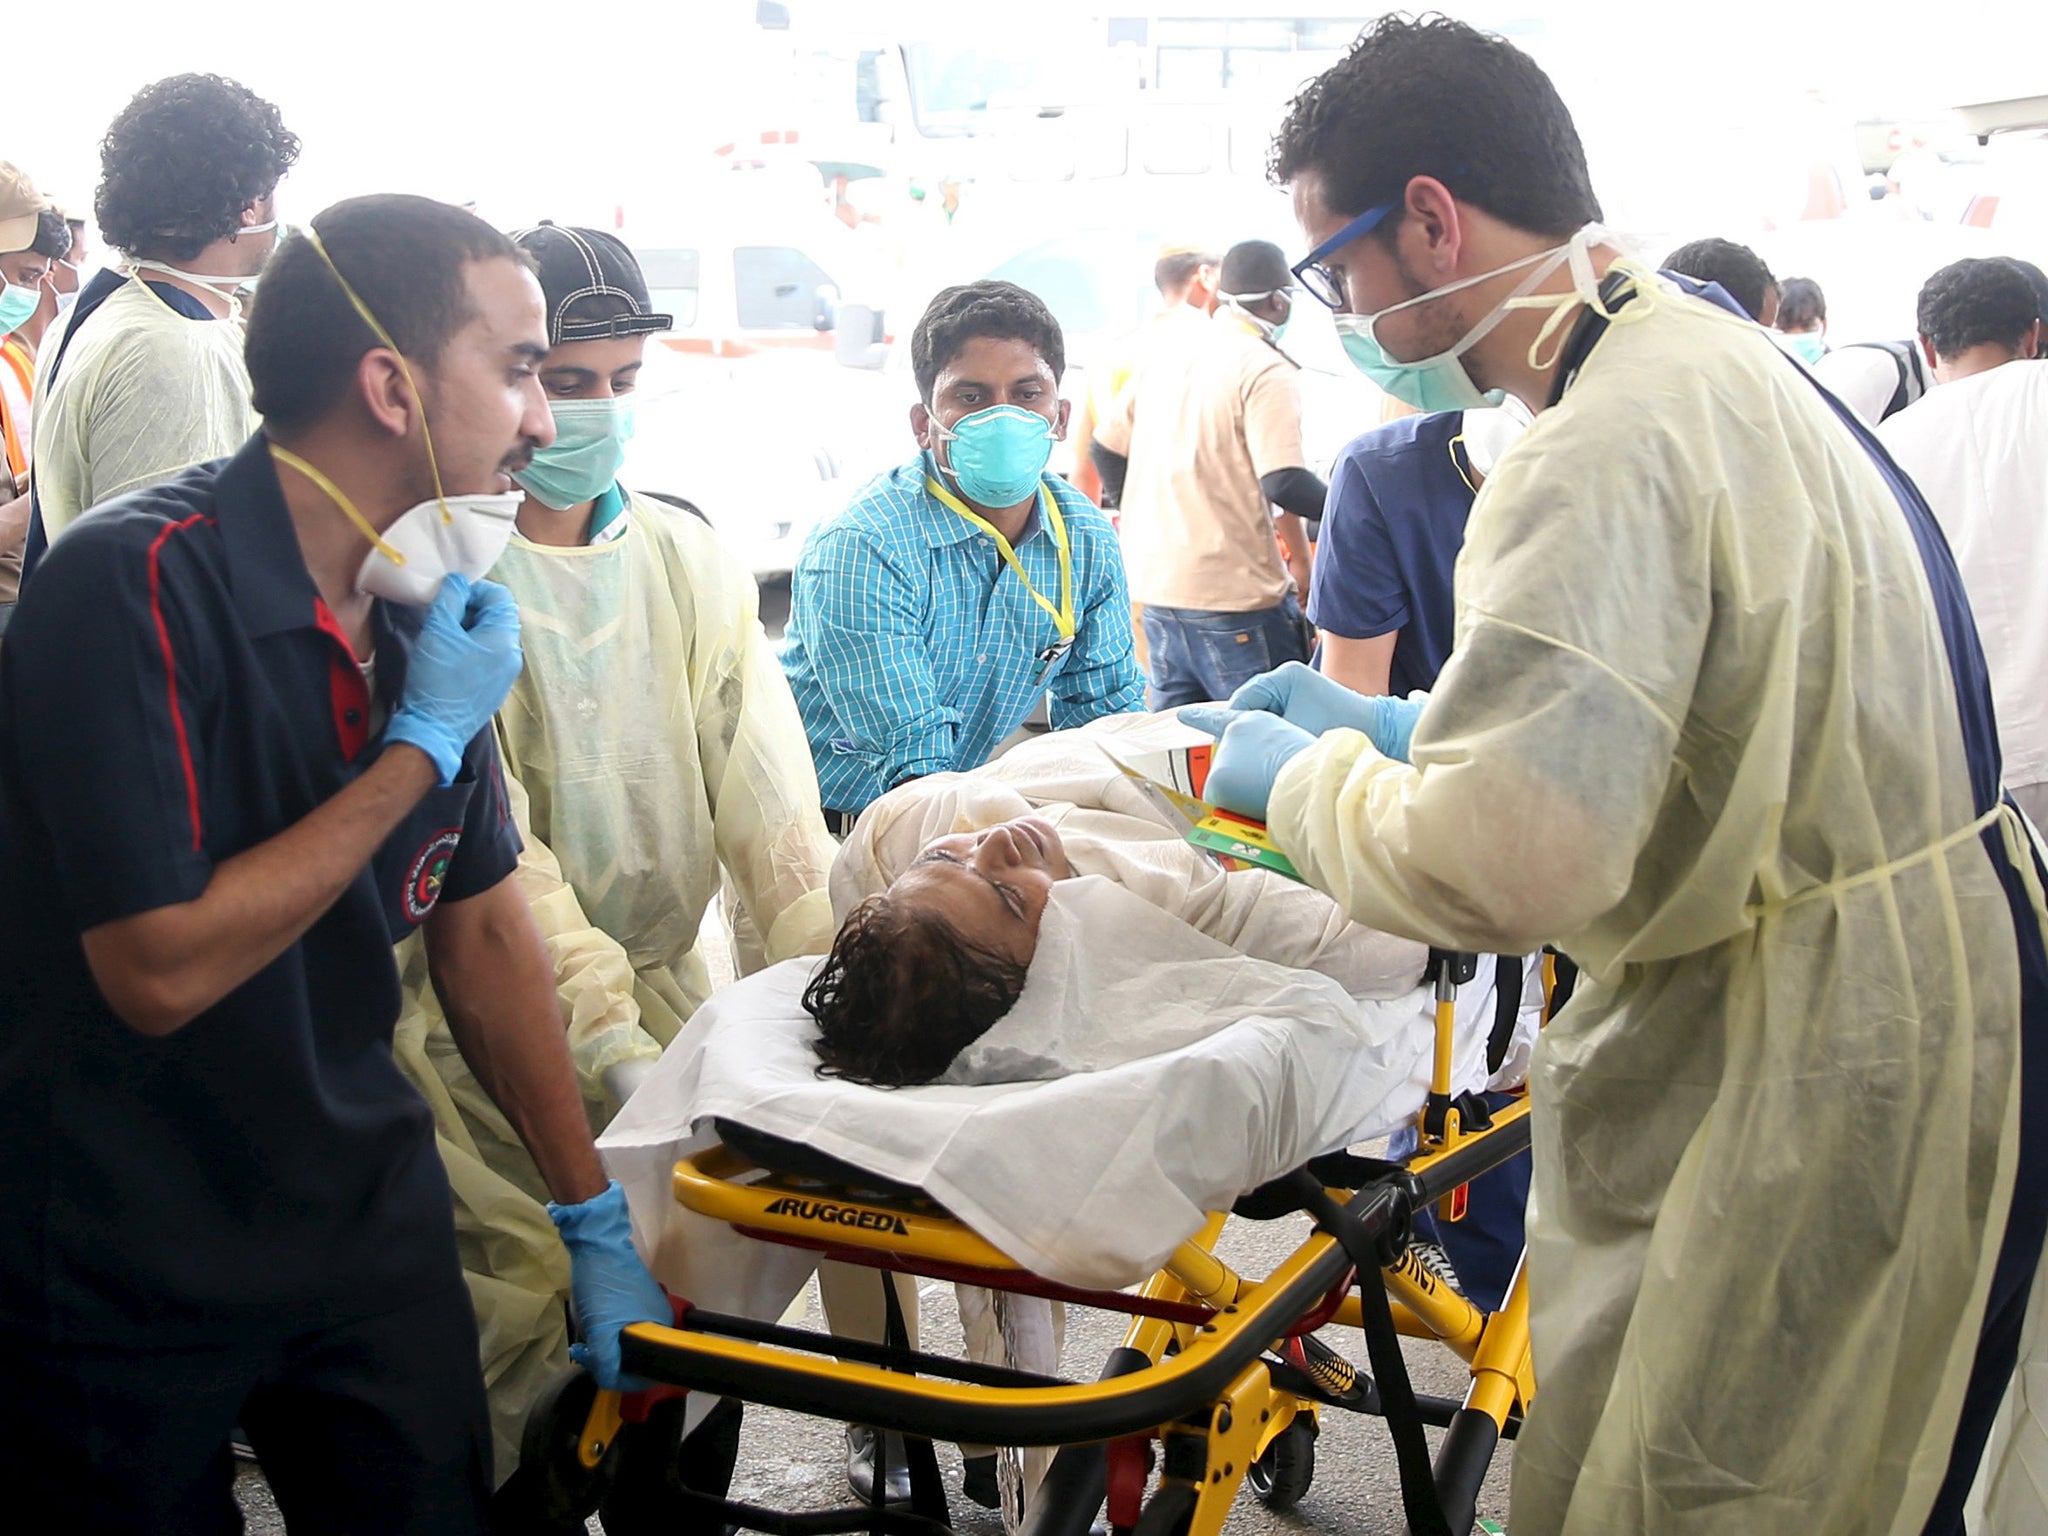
(1978, 450)
(1863, 378)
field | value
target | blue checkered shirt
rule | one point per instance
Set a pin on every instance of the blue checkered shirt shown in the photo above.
(913, 649)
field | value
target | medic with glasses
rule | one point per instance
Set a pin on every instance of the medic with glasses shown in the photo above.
(1716, 723)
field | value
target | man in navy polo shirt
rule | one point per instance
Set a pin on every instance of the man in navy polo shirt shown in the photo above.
(1381, 602)
(245, 745)
(1392, 529)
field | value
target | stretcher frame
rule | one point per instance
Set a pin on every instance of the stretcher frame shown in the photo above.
(1194, 1372)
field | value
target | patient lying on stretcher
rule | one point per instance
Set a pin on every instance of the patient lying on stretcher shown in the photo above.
(946, 882)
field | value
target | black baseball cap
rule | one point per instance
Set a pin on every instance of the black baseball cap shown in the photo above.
(593, 284)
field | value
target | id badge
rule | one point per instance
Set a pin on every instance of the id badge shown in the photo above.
(1050, 658)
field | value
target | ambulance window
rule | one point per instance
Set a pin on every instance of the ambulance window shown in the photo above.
(672, 283)
(775, 287)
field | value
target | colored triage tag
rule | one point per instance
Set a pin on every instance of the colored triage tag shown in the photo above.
(1490, 1528)
(1172, 780)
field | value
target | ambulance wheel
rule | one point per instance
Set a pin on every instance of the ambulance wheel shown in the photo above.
(1282, 1475)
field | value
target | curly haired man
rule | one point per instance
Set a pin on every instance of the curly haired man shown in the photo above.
(147, 379)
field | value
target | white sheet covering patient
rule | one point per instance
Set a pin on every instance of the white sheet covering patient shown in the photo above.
(1092, 1176)
(978, 854)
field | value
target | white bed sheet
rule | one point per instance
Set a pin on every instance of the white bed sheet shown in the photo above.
(1090, 1179)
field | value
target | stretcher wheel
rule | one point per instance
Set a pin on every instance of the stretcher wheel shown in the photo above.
(646, 1495)
(552, 1482)
(1282, 1475)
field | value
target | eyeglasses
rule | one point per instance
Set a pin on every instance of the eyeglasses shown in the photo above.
(1319, 279)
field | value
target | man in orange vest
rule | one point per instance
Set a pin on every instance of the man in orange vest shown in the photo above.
(33, 237)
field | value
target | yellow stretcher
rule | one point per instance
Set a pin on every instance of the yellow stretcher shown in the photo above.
(1218, 1371)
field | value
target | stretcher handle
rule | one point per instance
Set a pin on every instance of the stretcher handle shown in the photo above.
(1432, 1178)
(1447, 970)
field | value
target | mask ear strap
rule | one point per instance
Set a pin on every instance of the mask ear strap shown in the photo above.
(1586, 289)
(404, 368)
(339, 497)
(1554, 330)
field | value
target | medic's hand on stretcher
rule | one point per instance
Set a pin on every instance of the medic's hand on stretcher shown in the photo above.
(609, 1285)
(462, 666)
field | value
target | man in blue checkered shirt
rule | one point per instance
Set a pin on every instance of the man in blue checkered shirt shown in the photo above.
(927, 618)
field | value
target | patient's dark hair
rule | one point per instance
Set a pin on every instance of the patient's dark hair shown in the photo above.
(902, 993)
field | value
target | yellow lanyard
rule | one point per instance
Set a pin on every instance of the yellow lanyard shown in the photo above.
(1062, 616)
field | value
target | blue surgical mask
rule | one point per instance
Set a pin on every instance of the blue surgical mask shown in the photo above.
(583, 461)
(16, 305)
(1440, 382)
(997, 455)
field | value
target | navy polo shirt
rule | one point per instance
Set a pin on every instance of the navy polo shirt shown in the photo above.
(173, 692)
(1392, 529)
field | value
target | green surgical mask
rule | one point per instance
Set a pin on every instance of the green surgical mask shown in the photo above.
(17, 304)
(1808, 346)
(582, 463)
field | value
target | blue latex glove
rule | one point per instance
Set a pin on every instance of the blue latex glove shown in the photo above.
(464, 662)
(1213, 718)
(1249, 755)
(1302, 696)
(1394, 729)
(609, 1284)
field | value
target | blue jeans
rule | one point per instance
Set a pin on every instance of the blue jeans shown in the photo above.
(1198, 655)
